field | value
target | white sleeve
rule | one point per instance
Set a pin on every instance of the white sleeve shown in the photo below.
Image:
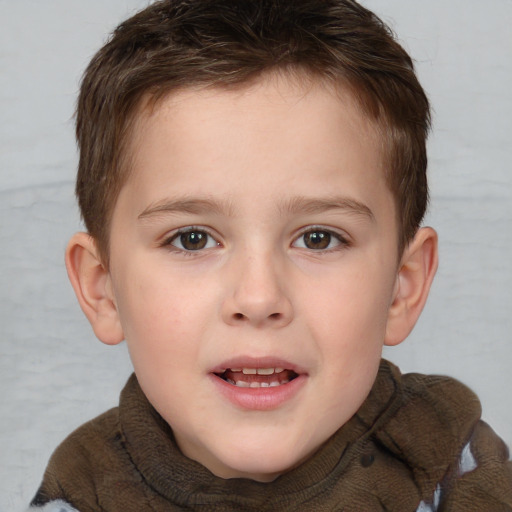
(54, 506)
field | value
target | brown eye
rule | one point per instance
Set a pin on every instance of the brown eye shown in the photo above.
(318, 240)
(193, 240)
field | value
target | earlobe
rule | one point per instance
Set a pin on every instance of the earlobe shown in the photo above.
(415, 275)
(93, 288)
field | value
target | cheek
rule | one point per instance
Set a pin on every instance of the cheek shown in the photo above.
(151, 298)
(150, 310)
(349, 312)
(164, 314)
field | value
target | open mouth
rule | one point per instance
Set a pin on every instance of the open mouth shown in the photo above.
(257, 377)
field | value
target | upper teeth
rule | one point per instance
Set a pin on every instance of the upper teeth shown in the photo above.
(258, 371)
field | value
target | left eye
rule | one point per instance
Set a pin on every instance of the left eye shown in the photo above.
(193, 240)
(319, 240)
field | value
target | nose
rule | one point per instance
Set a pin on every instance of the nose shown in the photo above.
(257, 293)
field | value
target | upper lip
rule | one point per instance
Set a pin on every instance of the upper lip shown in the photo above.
(257, 362)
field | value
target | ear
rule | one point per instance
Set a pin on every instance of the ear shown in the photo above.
(93, 288)
(415, 274)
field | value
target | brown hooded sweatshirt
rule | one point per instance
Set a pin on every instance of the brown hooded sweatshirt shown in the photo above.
(416, 445)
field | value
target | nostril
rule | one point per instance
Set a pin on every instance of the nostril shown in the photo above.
(272, 316)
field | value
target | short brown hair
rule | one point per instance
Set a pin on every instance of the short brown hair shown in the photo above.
(174, 44)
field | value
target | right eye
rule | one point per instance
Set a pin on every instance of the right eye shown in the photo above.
(192, 240)
(321, 240)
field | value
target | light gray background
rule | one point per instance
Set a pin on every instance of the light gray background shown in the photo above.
(54, 375)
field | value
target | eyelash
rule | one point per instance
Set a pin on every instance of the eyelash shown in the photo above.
(168, 242)
(342, 241)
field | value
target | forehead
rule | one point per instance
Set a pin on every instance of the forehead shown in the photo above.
(295, 126)
(258, 105)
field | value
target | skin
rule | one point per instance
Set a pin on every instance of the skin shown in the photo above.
(256, 229)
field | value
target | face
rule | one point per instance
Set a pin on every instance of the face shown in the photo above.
(253, 264)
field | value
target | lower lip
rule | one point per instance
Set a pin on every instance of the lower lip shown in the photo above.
(259, 399)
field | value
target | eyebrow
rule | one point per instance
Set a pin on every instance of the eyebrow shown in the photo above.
(187, 205)
(296, 205)
(313, 205)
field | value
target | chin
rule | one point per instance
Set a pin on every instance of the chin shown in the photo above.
(266, 470)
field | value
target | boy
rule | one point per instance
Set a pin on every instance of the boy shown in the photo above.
(252, 178)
